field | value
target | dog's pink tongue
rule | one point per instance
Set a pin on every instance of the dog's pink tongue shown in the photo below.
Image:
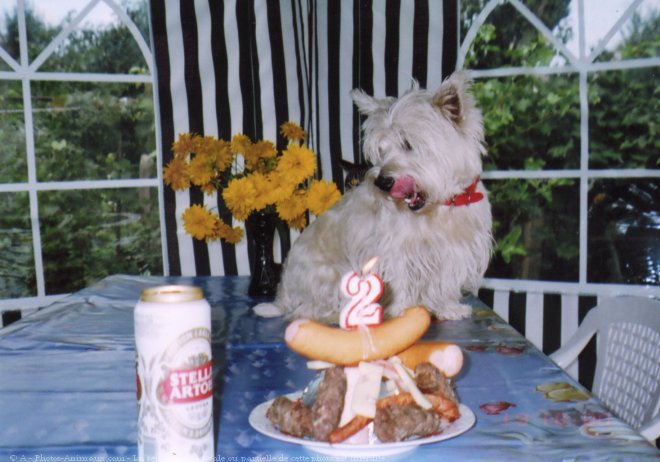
(403, 187)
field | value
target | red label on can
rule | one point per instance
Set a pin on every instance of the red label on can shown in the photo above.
(188, 385)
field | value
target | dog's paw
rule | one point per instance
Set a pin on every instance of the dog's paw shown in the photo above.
(267, 310)
(454, 311)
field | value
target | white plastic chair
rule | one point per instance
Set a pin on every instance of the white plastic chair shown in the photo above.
(627, 376)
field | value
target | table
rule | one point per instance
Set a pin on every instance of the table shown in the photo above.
(67, 385)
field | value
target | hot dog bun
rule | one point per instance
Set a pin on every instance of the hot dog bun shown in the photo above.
(317, 341)
(447, 357)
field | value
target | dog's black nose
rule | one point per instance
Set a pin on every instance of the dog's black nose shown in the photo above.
(384, 183)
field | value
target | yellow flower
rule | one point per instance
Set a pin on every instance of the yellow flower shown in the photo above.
(199, 222)
(184, 145)
(298, 223)
(234, 235)
(265, 149)
(226, 232)
(297, 163)
(280, 187)
(292, 131)
(263, 190)
(239, 195)
(321, 196)
(175, 174)
(260, 151)
(208, 189)
(217, 151)
(201, 169)
(292, 207)
(261, 178)
(222, 156)
(240, 143)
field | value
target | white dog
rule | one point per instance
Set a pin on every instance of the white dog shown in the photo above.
(421, 209)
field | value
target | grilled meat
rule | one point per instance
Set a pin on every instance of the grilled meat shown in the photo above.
(290, 417)
(396, 422)
(431, 380)
(326, 410)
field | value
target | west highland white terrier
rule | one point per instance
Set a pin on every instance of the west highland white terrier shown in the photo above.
(421, 209)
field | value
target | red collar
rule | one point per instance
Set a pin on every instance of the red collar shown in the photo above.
(468, 196)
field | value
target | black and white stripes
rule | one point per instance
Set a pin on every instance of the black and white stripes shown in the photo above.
(380, 47)
(547, 320)
(248, 65)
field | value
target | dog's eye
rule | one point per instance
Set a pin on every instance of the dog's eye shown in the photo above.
(406, 145)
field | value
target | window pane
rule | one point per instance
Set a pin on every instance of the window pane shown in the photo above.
(531, 122)
(623, 119)
(507, 38)
(624, 231)
(636, 38)
(536, 226)
(87, 235)
(101, 42)
(93, 130)
(8, 32)
(17, 276)
(12, 133)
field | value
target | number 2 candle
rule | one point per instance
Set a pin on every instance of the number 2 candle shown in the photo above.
(363, 291)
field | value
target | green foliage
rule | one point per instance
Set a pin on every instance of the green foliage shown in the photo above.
(17, 275)
(532, 122)
(83, 130)
(507, 39)
(510, 245)
(91, 234)
(623, 125)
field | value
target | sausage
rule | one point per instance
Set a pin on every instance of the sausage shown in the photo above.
(347, 347)
(353, 426)
(447, 357)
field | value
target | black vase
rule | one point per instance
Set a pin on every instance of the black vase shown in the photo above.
(265, 273)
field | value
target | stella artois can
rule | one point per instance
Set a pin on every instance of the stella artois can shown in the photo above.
(174, 375)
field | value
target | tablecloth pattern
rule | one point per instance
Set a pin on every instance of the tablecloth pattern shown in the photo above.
(67, 385)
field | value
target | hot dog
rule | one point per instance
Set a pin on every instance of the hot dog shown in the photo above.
(447, 357)
(317, 341)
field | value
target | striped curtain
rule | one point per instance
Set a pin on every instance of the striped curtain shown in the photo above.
(228, 66)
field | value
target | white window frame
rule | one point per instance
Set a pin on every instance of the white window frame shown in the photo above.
(583, 65)
(27, 72)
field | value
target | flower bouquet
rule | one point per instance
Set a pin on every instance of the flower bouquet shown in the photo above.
(252, 176)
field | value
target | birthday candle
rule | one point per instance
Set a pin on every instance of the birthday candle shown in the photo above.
(363, 291)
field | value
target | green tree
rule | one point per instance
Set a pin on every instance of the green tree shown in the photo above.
(532, 122)
(85, 130)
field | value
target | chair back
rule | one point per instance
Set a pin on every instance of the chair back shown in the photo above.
(627, 377)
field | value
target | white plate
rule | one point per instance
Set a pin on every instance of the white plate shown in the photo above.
(260, 422)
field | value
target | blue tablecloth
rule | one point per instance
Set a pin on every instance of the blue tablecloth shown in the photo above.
(67, 385)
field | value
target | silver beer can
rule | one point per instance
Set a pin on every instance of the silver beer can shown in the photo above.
(174, 375)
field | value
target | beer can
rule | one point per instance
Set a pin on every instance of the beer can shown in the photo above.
(174, 375)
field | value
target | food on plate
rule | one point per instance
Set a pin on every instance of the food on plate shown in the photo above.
(342, 347)
(291, 417)
(326, 410)
(375, 383)
(398, 413)
(399, 420)
(446, 356)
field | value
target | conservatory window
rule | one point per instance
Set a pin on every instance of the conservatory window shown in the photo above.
(78, 184)
(569, 94)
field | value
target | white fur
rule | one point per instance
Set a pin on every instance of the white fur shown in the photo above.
(429, 256)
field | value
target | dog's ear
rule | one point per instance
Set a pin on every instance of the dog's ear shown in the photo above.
(450, 97)
(366, 104)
